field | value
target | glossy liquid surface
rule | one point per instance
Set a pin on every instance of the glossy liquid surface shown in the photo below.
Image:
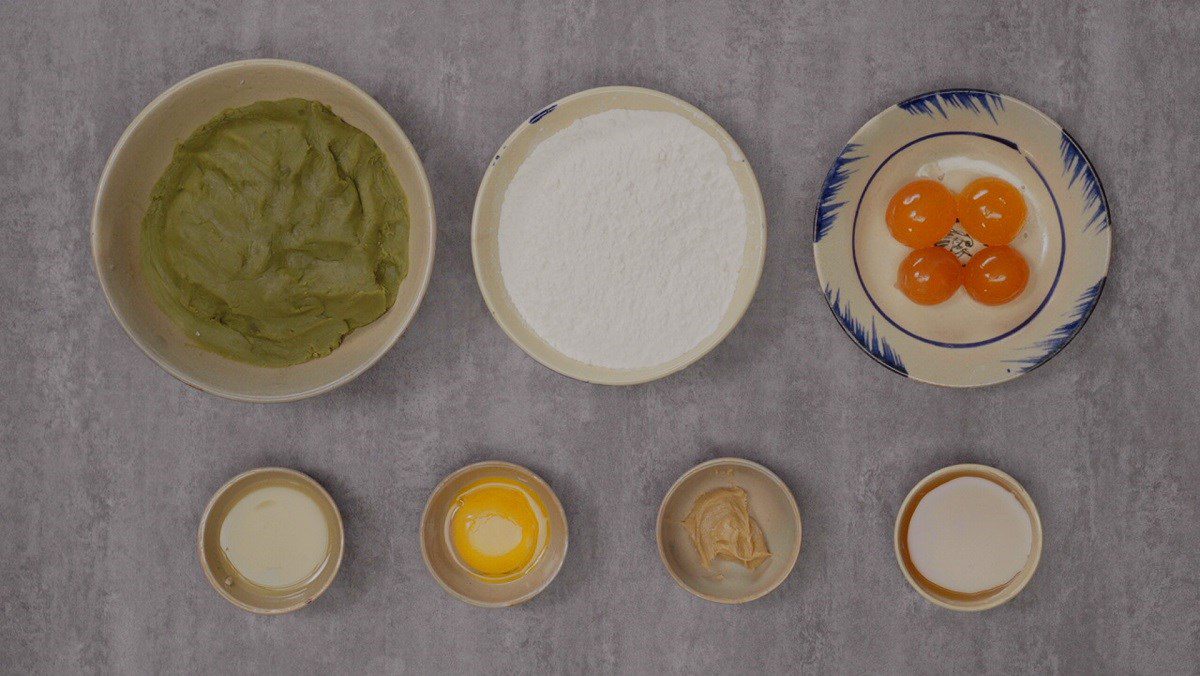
(921, 213)
(498, 527)
(969, 535)
(275, 536)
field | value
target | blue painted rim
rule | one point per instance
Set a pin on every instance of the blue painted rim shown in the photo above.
(975, 99)
(537, 117)
(1062, 256)
(1087, 313)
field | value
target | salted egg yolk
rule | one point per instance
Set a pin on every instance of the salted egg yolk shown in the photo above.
(996, 275)
(498, 528)
(991, 210)
(921, 213)
(929, 276)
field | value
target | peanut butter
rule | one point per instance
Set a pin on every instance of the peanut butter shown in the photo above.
(720, 526)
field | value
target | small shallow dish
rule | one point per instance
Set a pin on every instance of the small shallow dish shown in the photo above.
(503, 167)
(226, 579)
(955, 136)
(140, 157)
(438, 553)
(772, 505)
(945, 597)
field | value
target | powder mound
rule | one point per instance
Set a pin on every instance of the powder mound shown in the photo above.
(621, 238)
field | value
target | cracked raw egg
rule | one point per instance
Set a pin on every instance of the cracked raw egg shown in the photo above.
(498, 528)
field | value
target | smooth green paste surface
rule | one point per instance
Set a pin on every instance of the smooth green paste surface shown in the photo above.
(276, 230)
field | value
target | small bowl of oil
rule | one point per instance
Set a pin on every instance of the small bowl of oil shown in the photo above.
(271, 540)
(493, 534)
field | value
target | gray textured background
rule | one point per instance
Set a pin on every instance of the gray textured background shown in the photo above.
(107, 462)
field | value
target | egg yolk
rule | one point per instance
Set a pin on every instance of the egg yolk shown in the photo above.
(921, 213)
(498, 528)
(991, 210)
(996, 275)
(929, 276)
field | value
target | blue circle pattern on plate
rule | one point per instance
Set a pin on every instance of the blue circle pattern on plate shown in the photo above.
(940, 113)
(1062, 255)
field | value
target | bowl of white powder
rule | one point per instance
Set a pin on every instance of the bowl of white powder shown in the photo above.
(618, 235)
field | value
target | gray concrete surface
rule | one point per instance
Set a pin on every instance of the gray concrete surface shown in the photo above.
(106, 462)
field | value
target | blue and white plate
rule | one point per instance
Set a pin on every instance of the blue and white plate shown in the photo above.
(955, 136)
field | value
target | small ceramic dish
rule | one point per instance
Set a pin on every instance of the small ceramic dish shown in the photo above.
(140, 157)
(772, 505)
(955, 136)
(228, 582)
(453, 576)
(503, 167)
(945, 597)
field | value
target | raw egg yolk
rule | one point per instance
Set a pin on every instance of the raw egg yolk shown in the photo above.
(498, 528)
(921, 213)
(991, 210)
(929, 276)
(996, 275)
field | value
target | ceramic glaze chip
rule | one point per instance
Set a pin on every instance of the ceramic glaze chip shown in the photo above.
(621, 238)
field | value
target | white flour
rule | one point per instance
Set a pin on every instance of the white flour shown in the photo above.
(621, 238)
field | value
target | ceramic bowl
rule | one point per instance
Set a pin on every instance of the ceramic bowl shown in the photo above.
(503, 167)
(226, 579)
(453, 576)
(771, 505)
(955, 136)
(945, 597)
(140, 157)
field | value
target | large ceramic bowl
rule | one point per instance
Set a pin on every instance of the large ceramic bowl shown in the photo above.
(503, 167)
(955, 136)
(140, 157)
